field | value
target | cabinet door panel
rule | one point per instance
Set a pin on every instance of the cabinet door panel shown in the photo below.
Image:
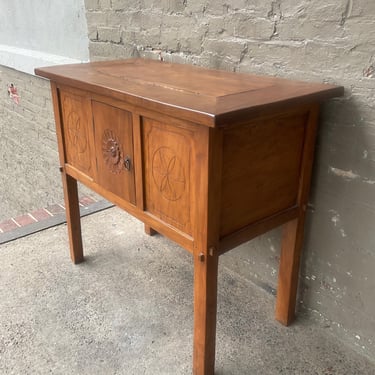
(77, 131)
(167, 173)
(114, 150)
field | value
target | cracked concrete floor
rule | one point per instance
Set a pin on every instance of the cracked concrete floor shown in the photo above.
(128, 310)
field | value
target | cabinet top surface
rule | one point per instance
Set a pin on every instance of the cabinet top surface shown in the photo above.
(210, 97)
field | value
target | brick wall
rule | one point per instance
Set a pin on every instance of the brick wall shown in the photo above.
(332, 41)
(29, 176)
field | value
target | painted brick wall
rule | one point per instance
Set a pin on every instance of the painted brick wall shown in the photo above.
(29, 176)
(318, 40)
(29, 163)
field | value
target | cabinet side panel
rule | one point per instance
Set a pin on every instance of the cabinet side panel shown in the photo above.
(167, 157)
(77, 131)
(261, 170)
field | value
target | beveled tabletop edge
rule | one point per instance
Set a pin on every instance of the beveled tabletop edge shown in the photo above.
(211, 110)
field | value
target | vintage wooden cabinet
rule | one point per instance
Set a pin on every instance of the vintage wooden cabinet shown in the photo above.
(207, 158)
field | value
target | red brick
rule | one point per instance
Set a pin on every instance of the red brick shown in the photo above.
(55, 209)
(40, 214)
(8, 225)
(86, 201)
(24, 220)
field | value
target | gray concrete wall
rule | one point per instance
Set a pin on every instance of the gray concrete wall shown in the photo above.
(41, 33)
(49, 26)
(331, 41)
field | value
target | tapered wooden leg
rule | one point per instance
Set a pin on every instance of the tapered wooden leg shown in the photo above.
(150, 231)
(73, 218)
(291, 246)
(293, 231)
(205, 301)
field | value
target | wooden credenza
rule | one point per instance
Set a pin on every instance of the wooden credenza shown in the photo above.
(207, 158)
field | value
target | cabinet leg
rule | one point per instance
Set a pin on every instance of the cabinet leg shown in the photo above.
(73, 218)
(291, 246)
(205, 306)
(150, 231)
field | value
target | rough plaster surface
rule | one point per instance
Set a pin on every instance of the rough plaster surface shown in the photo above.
(318, 40)
(128, 310)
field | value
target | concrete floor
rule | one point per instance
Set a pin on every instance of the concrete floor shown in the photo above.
(128, 310)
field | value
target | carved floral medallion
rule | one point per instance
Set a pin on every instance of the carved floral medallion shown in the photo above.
(112, 152)
(168, 173)
(75, 129)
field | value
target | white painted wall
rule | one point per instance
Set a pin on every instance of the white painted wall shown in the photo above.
(42, 32)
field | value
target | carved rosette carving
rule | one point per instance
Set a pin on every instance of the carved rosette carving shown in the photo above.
(168, 173)
(112, 152)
